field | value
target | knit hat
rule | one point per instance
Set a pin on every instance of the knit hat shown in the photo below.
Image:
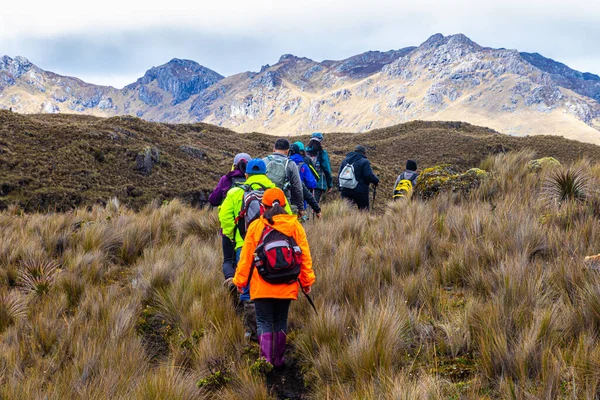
(411, 165)
(300, 145)
(294, 149)
(360, 149)
(256, 166)
(274, 196)
(318, 136)
(239, 157)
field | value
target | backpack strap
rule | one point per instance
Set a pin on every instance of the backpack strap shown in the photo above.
(267, 229)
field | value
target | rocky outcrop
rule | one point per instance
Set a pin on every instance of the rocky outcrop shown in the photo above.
(193, 152)
(445, 178)
(146, 159)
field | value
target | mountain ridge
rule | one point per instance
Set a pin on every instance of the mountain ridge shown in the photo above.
(446, 77)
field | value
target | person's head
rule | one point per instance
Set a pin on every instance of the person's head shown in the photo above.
(300, 147)
(256, 166)
(274, 201)
(240, 162)
(411, 165)
(314, 147)
(318, 136)
(360, 150)
(294, 149)
(281, 146)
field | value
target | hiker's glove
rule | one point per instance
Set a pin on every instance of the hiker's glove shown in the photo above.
(306, 290)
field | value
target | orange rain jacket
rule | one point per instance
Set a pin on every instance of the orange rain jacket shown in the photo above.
(259, 289)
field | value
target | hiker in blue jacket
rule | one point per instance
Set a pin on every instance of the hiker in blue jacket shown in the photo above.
(309, 182)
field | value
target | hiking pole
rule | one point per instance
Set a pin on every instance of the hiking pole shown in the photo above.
(374, 197)
(310, 300)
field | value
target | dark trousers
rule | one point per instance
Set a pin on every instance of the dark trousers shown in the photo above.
(271, 315)
(317, 194)
(228, 257)
(361, 199)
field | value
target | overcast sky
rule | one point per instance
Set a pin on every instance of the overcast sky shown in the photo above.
(113, 42)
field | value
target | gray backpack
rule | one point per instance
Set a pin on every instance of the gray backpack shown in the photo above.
(347, 178)
(277, 171)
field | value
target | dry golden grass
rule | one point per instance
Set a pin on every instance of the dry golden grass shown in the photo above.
(485, 296)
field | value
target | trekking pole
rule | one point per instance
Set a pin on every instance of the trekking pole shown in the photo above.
(309, 300)
(374, 197)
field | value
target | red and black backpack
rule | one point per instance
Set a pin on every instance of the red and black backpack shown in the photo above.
(277, 257)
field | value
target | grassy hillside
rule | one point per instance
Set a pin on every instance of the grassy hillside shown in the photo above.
(58, 162)
(484, 296)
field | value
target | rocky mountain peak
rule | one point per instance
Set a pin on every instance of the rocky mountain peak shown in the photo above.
(180, 78)
(287, 57)
(16, 67)
(457, 40)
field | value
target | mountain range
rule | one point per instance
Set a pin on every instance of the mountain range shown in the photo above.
(445, 78)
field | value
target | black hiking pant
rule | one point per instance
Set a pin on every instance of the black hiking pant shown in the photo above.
(361, 199)
(317, 194)
(229, 260)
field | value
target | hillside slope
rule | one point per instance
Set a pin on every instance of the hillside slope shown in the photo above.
(63, 161)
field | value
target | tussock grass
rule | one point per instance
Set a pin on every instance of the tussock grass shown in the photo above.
(477, 296)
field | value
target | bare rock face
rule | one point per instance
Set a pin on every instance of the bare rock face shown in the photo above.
(181, 78)
(146, 160)
(193, 152)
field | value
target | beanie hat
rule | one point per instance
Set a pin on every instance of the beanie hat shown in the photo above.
(274, 196)
(300, 145)
(318, 136)
(241, 156)
(411, 165)
(360, 149)
(256, 166)
(294, 149)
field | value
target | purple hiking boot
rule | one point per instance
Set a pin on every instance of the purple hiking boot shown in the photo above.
(279, 349)
(266, 346)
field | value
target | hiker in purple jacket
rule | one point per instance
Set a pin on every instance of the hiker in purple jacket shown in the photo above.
(236, 175)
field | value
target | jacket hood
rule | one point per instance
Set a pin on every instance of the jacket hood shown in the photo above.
(235, 173)
(260, 178)
(284, 223)
(297, 158)
(353, 157)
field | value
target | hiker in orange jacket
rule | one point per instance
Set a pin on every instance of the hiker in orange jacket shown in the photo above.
(272, 301)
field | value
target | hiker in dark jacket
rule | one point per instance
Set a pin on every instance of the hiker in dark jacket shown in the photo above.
(320, 160)
(236, 175)
(410, 173)
(363, 174)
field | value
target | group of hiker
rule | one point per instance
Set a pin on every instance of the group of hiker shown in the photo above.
(262, 204)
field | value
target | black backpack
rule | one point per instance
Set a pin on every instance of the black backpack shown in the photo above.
(277, 257)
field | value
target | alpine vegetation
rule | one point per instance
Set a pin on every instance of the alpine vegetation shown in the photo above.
(477, 290)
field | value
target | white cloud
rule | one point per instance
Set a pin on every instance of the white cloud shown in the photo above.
(116, 39)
